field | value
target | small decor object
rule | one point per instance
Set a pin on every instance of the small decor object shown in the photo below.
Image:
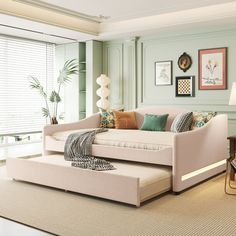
(182, 122)
(103, 92)
(51, 110)
(185, 86)
(154, 122)
(163, 73)
(184, 62)
(212, 68)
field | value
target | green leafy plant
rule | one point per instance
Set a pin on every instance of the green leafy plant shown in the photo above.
(70, 68)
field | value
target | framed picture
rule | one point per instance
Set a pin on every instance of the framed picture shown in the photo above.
(163, 73)
(184, 62)
(212, 68)
(184, 86)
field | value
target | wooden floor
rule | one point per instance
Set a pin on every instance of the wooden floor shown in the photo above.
(11, 228)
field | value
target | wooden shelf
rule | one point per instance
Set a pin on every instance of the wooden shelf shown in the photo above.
(82, 71)
(82, 112)
(82, 62)
(82, 91)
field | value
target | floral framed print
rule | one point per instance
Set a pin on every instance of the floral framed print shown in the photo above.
(163, 73)
(212, 68)
(184, 86)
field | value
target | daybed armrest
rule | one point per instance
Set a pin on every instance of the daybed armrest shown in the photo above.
(195, 152)
(90, 122)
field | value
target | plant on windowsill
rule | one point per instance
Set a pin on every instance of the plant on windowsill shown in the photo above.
(70, 67)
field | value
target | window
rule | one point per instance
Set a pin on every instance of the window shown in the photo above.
(20, 106)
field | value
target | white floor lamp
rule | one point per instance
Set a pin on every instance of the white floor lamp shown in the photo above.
(103, 92)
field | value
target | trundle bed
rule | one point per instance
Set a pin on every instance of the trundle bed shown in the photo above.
(147, 163)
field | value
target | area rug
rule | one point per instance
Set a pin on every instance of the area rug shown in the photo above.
(202, 210)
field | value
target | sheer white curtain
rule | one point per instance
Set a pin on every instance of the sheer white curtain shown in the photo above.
(20, 106)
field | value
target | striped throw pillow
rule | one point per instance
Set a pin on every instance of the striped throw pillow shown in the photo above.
(182, 122)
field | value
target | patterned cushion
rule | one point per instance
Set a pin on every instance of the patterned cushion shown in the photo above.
(201, 118)
(107, 120)
(182, 122)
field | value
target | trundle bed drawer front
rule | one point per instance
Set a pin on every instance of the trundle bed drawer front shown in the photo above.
(94, 183)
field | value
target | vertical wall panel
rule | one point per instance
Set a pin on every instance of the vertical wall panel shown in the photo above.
(119, 63)
(113, 68)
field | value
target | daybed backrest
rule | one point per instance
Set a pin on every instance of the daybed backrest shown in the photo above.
(158, 110)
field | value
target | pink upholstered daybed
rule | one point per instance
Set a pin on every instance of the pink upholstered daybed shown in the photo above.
(189, 157)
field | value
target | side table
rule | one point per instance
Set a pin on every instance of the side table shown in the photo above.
(230, 171)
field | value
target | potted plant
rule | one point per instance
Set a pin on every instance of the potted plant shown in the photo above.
(70, 67)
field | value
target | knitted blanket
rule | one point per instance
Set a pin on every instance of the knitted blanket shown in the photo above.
(78, 149)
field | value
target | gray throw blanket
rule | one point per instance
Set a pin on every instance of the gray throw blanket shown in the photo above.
(78, 149)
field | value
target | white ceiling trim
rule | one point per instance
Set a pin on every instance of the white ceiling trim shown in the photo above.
(62, 10)
(193, 16)
(48, 17)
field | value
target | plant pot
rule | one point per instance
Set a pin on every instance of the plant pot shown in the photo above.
(54, 121)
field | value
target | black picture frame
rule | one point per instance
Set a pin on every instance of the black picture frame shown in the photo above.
(185, 86)
(184, 62)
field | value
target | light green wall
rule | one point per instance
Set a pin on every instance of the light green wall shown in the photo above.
(122, 59)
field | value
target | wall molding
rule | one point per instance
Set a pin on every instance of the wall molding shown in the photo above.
(184, 37)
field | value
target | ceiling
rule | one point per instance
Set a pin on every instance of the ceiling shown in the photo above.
(129, 9)
(61, 21)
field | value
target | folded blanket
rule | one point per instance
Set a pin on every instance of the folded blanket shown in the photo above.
(78, 149)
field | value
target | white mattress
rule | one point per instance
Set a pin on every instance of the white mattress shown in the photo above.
(139, 139)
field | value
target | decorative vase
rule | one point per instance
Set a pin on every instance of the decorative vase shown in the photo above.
(54, 121)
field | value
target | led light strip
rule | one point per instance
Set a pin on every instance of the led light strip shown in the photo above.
(202, 170)
(62, 10)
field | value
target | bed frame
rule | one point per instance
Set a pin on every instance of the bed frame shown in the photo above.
(195, 156)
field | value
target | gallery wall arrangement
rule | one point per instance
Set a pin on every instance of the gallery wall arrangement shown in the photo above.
(212, 66)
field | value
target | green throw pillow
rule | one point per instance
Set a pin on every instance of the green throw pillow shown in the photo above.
(154, 122)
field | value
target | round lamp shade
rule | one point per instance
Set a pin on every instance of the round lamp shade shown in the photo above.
(103, 80)
(103, 103)
(103, 92)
